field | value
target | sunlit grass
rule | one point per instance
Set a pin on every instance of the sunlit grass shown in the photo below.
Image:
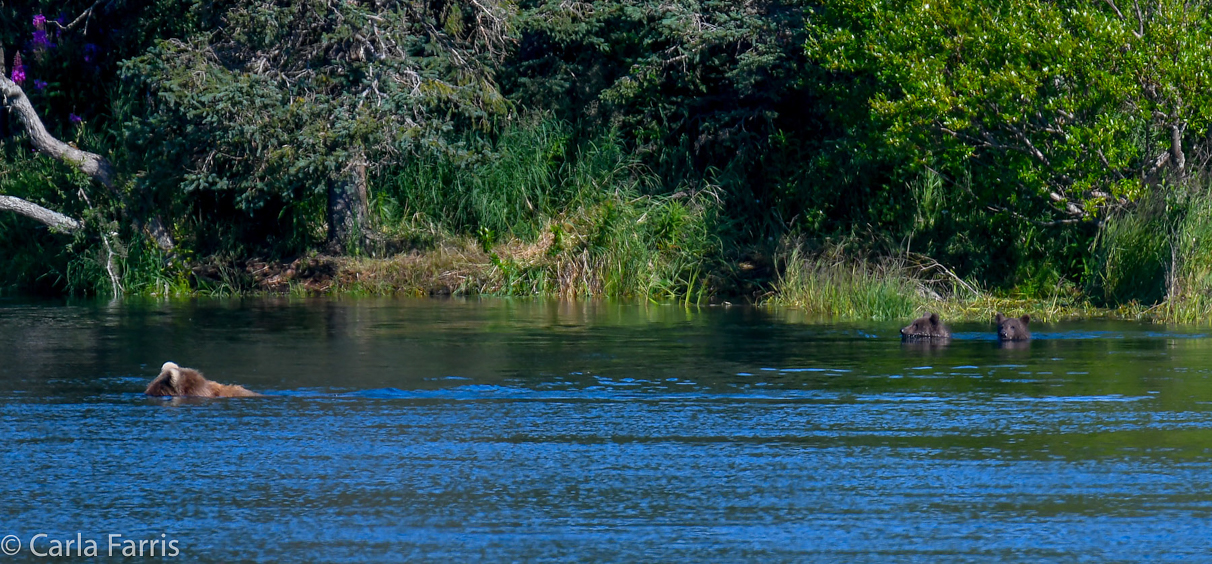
(1157, 258)
(544, 215)
(832, 285)
(649, 247)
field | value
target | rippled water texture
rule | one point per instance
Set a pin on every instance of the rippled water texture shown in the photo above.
(519, 431)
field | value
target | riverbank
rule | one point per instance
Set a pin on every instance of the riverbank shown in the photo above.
(828, 286)
(457, 267)
(833, 285)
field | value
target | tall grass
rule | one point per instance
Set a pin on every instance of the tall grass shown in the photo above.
(1159, 255)
(832, 285)
(1189, 276)
(1132, 256)
(645, 246)
(656, 247)
(551, 215)
(839, 284)
(501, 187)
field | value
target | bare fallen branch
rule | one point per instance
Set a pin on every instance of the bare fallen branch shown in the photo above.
(84, 16)
(52, 219)
(92, 164)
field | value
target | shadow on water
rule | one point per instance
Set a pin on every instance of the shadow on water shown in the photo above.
(528, 430)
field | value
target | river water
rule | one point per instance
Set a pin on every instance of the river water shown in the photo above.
(499, 430)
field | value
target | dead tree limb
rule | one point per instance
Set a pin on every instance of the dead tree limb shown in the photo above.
(84, 16)
(91, 164)
(52, 219)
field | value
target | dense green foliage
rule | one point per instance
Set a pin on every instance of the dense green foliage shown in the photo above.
(1029, 148)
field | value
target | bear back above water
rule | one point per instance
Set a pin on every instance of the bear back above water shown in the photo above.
(928, 326)
(1013, 328)
(186, 382)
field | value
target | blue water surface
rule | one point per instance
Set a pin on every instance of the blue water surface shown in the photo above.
(498, 430)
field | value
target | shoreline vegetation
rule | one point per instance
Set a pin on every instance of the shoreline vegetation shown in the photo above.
(826, 286)
(850, 160)
(602, 229)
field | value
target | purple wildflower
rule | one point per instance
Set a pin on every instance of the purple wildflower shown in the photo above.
(39, 84)
(90, 52)
(75, 118)
(39, 21)
(41, 41)
(18, 69)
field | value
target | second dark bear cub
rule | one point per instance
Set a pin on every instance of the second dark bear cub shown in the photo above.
(928, 326)
(1013, 328)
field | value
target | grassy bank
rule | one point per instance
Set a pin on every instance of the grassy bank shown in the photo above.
(532, 211)
(627, 246)
(536, 211)
(826, 284)
(830, 284)
(659, 248)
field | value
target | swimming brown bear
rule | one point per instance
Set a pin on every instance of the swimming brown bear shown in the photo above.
(928, 326)
(180, 382)
(1013, 328)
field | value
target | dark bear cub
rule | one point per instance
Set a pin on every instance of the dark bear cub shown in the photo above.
(1013, 328)
(179, 382)
(928, 326)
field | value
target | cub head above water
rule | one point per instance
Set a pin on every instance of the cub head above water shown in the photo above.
(182, 382)
(928, 326)
(1013, 328)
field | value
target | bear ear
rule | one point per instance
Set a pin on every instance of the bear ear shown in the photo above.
(174, 373)
(933, 318)
(1026, 319)
(1000, 318)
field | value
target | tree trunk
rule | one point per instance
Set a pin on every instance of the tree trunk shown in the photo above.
(1176, 149)
(347, 211)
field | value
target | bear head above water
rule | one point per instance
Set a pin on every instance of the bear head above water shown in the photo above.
(928, 326)
(187, 382)
(1013, 328)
